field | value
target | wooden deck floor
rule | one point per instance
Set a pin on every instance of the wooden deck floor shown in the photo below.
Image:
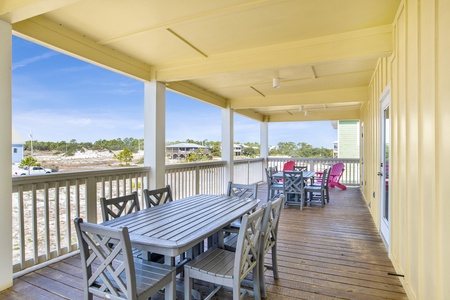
(333, 252)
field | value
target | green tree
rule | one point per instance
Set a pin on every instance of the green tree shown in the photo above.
(28, 162)
(125, 156)
(249, 151)
(287, 148)
(216, 149)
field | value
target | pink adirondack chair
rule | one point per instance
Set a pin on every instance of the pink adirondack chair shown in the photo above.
(335, 176)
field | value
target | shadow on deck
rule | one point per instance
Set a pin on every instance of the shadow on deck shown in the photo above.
(333, 252)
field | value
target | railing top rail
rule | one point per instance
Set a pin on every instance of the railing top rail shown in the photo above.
(247, 160)
(313, 159)
(196, 164)
(58, 176)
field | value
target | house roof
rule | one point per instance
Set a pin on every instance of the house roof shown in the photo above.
(16, 137)
(185, 145)
(227, 53)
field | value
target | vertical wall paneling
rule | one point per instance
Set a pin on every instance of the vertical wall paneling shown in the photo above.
(443, 145)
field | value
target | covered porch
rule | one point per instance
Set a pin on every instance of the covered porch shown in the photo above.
(333, 252)
(271, 61)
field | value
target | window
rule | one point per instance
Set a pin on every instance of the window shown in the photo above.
(14, 150)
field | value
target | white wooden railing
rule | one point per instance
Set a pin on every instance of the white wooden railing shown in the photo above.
(248, 171)
(45, 205)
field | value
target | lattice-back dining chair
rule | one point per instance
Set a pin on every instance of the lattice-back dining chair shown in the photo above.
(157, 196)
(300, 168)
(115, 207)
(228, 268)
(111, 273)
(242, 191)
(319, 193)
(293, 188)
(272, 185)
(269, 240)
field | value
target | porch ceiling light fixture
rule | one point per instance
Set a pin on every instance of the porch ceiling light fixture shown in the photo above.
(306, 113)
(300, 109)
(276, 83)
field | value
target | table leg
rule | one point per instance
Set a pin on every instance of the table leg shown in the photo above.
(170, 289)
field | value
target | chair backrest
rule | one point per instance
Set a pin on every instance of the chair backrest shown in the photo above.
(158, 196)
(325, 177)
(269, 175)
(242, 190)
(289, 165)
(300, 168)
(270, 224)
(103, 274)
(293, 182)
(115, 207)
(247, 246)
(336, 171)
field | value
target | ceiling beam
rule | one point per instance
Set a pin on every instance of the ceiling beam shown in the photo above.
(316, 116)
(52, 35)
(13, 11)
(198, 93)
(367, 43)
(251, 114)
(358, 94)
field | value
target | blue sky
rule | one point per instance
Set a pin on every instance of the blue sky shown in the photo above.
(61, 98)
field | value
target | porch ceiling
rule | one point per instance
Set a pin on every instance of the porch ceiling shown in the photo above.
(324, 52)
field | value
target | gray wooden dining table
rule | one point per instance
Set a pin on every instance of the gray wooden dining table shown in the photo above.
(306, 175)
(176, 227)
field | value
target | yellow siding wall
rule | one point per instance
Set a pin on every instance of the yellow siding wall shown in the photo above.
(418, 73)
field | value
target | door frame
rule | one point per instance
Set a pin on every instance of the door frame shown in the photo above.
(385, 224)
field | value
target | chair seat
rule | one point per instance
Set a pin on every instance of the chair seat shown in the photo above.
(230, 241)
(214, 262)
(151, 276)
(313, 188)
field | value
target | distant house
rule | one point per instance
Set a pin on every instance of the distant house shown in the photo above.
(348, 139)
(238, 149)
(182, 150)
(17, 146)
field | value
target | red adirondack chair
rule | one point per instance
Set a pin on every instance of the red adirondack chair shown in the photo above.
(335, 176)
(289, 165)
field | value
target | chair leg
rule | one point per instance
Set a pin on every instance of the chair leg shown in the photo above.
(275, 262)
(328, 194)
(256, 281)
(188, 285)
(262, 284)
(236, 293)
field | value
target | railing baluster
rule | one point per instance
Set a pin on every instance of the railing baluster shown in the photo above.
(34, 223)
(21, 225)
(57, 224)
(47, 221)
(68, 218)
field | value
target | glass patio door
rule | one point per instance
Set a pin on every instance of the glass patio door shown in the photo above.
(384, 167)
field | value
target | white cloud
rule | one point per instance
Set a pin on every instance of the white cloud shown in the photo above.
(28, 61)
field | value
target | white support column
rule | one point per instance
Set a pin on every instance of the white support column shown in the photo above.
(264, 142)
(155, 132)
(228, 141)
(5, 155)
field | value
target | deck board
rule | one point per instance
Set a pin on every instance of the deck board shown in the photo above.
(333, 252)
